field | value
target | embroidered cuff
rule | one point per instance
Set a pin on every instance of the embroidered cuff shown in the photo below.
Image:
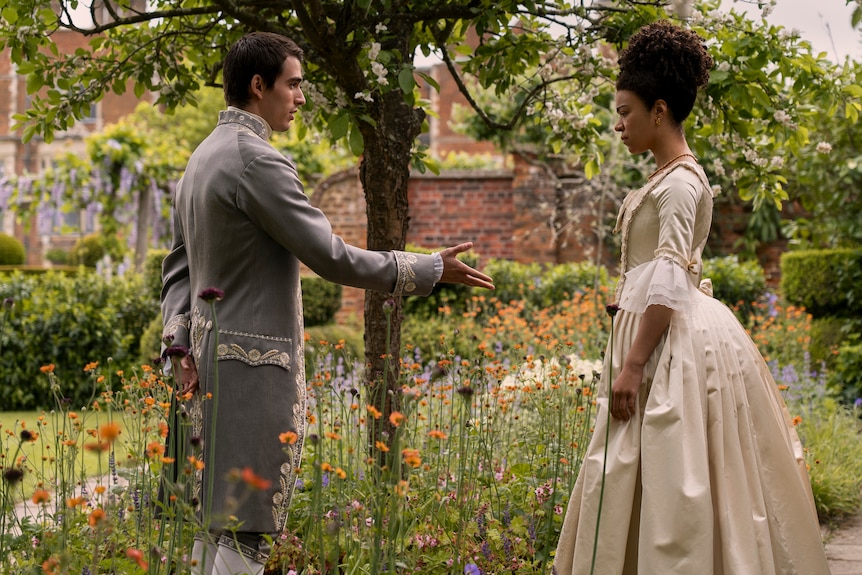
(405, 283)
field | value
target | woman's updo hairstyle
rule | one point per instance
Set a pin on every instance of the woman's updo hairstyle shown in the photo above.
(665, 62)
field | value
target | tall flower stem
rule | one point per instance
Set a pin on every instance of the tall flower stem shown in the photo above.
(612, 311)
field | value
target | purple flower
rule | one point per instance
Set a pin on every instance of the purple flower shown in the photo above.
(472, 569)
(211, 294)
(858, 402)
(176, 351)
(612, 309)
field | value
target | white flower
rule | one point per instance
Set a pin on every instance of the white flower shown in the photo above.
(374, 51)
(824, 147)
(380, 28)
(379, 69)
(724, 66)
(716, 190)
(750, 155)
(363, 96)
(718, 168)
(782, 117)
(776, 162)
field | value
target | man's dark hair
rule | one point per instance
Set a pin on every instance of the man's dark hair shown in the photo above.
(260, 53)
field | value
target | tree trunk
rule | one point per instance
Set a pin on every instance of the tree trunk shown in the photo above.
(384, 174)
(145, 198)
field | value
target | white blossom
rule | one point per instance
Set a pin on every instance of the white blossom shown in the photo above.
(777, 162)
(380, 28)
(374, 51)
(782, 117)
(718, 168)
(363, 96)
(724, 66)
(716, 190)
(750, 155)
(824, 147)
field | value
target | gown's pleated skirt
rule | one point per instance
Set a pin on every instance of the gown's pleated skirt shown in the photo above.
(709, 476)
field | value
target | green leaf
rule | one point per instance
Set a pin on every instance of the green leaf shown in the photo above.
(355, 141)
(338, 125)
(10, 15)
(406, 80)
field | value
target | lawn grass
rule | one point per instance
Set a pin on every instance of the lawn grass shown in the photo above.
(41, 469)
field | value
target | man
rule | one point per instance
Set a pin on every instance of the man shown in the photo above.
(242, 225)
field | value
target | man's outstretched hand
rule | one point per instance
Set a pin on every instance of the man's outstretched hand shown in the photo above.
(457, 272)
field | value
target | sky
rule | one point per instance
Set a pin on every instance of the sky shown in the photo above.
(824, 23)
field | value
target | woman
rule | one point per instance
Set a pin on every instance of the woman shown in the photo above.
(705, 473)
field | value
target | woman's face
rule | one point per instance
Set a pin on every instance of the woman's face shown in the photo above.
(636, 123)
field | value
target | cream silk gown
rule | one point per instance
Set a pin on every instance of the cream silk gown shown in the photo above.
(708, 477)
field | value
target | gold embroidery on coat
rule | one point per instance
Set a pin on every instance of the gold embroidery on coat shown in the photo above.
(406, 280)
(254, 356)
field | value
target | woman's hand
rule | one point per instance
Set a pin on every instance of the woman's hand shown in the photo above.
(626, 389)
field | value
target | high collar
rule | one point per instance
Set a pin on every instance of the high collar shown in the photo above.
(251, 121)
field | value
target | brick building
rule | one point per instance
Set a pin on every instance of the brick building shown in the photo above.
(18, 157)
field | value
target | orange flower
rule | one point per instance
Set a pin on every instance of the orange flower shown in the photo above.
(255, 481)
(288, 437)
(91, 366)
(50, 566)
(326, 467)
(437, 434)
(374, 412)
(796, 420)
(411, 457)
(73, 502)
(196, 463)
(47, 369)
(41, 496)
(395, 418)
(110, 431)
(96, 517)
(163, 429)
(333, 436)
(155, 449)
(138, 557)
(381, 446)
(340, 473)
(97, 447)
(100, 489)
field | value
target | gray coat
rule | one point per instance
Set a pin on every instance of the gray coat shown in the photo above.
(242, 224)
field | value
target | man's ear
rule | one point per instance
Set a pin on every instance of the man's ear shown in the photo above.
(256, 87)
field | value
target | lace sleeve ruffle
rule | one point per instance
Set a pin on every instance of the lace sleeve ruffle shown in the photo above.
(658, 282)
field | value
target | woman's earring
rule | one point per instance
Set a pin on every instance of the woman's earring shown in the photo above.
(658, 120)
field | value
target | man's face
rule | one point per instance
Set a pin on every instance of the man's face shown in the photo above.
(279, 103)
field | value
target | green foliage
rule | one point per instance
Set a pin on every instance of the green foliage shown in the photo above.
(542, 286)
(846, 373)
(151, 341)
(11, 251)
(58, 256)
(825, 282)
(90, 250)
(348, 340)
(69, 321)
(320, 300)
(832, 437)
(737, 284)
(443, 295)
(152, 270)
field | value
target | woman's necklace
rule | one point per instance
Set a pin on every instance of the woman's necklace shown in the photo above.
(669, 162)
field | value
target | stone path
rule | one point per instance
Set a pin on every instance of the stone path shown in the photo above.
(844, 547)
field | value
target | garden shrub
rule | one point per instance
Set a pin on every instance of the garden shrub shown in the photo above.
(11, 251)
(543, 286)
(350, 340)
(150, 346)
(321, 299)
(69, 321)
(57, 256)
(452, 296)
(152, 270)
(737, 284)
(825, 282)
(90, 249)
(846, 375)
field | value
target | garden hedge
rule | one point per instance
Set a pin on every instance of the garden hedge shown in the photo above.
(827, 283)
(11, 251)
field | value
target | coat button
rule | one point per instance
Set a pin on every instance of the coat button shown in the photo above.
(209, 326)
